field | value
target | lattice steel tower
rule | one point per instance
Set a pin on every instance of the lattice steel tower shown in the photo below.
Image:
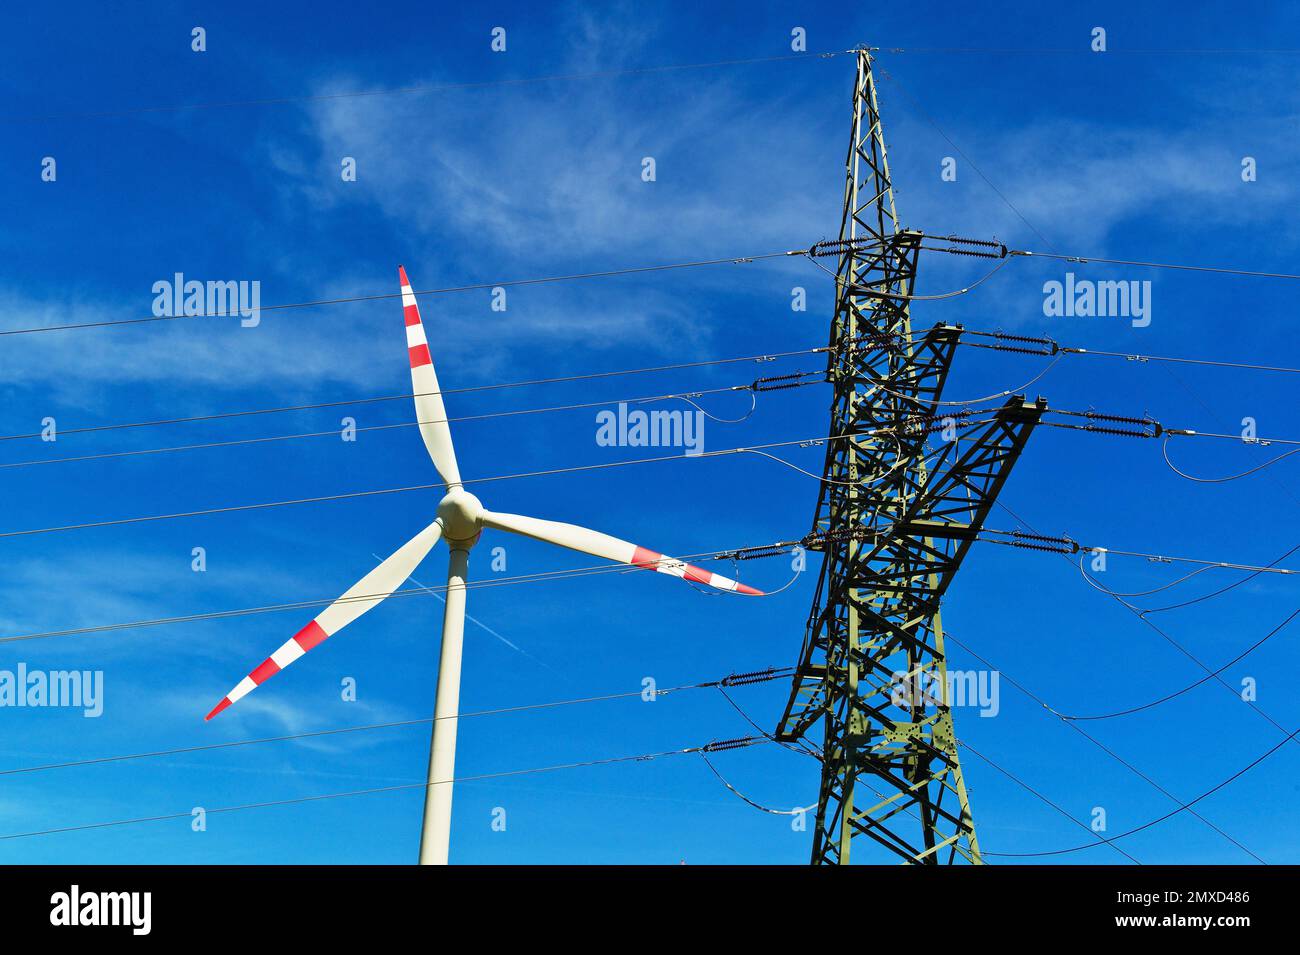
(907, 487)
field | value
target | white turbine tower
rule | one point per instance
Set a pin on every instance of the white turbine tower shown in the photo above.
(460, 520)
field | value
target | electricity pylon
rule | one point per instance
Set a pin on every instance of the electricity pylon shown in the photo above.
(893, 530)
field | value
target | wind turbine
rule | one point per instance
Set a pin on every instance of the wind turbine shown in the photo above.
(460, 520)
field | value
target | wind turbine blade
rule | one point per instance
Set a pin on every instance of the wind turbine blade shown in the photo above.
(611, 548)
(369, 591)
(429, 408)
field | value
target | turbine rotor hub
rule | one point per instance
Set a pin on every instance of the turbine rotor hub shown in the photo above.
(461, 515)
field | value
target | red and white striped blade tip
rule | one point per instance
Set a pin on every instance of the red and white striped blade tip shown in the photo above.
(653, 560)
(307, 638)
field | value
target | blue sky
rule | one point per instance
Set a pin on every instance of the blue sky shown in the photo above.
(1120, 155)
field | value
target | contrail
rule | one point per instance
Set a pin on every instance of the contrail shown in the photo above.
(472, 619)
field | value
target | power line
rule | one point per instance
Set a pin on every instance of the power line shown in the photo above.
(1017, 340)
(1166, 559)
(1187, 433)
(1135, 357)
(564, 379)
(802, 747)
(1129, 711)
(1164, 450)
(1144, 618)
(1044, 543)
(1221, 591)
(1168, 639)
(1102, 746)
(796, 811)
(687, 396)
(540, 576)
(752, 449)
(1144, 614)
(772, 383)
(1003, 253)
(1006, 253)
(732, 679)
(1085, 51)
(1036, 533)
(716, 746)
(1154, 590)
(349, 495)
(423, 90)
(965, 158)
(1216, 269)
(1050, 348)
(1042, 798)
(732, 260)
(1054, 349)
(1110, 840)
